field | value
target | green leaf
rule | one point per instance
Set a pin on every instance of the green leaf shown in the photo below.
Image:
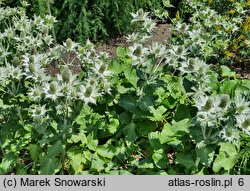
(226, 158)
(55, 149)
(113, 125)
(7, 162)
(130, 133)
(182, 112)
(228, 87)
(49, 165)
(76, 160)
(146, 127)
(91, 142)
(145, 163)
(145, 103)
(35, 151)
(160, 159)
(154, 141)
(227, 72)
(178, 129)
(158, 114)
(121, 52)
(106, 151)
(185, 159)
(131, 76)
(206, 155)
(79, 137)
(28, 127)
(97, 164)
(128, 103)
(116, 67)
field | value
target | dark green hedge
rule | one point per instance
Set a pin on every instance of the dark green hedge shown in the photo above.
(93, 19)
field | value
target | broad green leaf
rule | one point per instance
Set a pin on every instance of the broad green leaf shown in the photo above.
(28, 127)
(130, 133)
(226, 158)
(121, 52)
(35, 151)
(55, 149)
(106, 151)
(116, 67)
(146, 127)
(185, 159)
(76, 160)
(158, 114)
(206, 155)
(145, 103)
(160, 159)
(131, 76)
(7, 162)
(54, 125)
(228, 87)
(113, 125)
(49, 165)
(145, 163)
(154, 141)
(227, 72)
(91, 142)
(182, 112)
(127, 102)
(178, 129)
(97, 164)
(79, 137)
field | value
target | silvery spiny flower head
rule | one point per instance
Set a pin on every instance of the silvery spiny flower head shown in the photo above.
(157, 49)
(140, 15)
(67, 77)
(35, 93)
(38, 112)
(137, 50)
(101, 69)
(204, 103)
(181, 27)
(149, 25)
(241, 105)
(70, 45)
(88, 94)
(52, 90)
(243, 122)
(229, 133)
(207, 119)
(178, 51)
(14, 72)
(134, 37)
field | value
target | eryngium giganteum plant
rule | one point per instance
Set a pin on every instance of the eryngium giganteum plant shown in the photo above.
(27, 54)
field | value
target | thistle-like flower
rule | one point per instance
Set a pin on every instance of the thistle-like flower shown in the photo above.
(140, 15)
(243, 122)
(88, 94)
(70, 45)
(52, 90)
(229, 133)
(137, 52)
(35, 93)
(67, 78)
(157, 49)
(38, 112)
(101, 69)
(178, 51)
(241, 105)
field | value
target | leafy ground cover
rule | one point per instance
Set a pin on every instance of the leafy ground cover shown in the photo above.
(169, 107)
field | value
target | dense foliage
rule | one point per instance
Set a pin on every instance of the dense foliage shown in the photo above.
(90, 19)
(155, 109)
